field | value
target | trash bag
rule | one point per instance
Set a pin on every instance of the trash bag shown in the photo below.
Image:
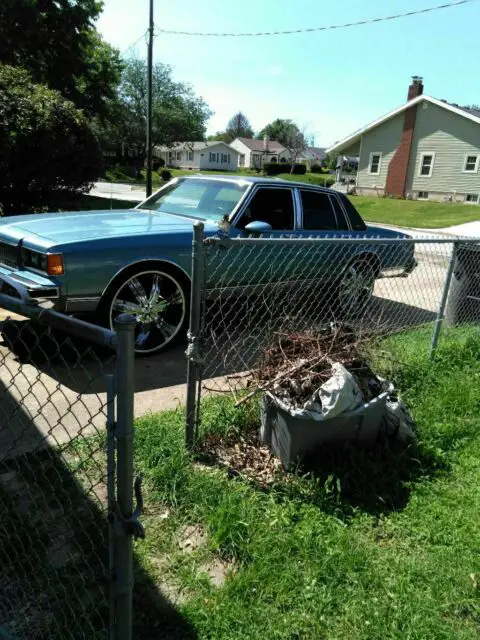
(339, 394)
(398, 423)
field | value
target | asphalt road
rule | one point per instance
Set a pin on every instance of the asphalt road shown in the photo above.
(55, 401)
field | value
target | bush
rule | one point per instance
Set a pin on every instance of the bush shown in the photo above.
(275, 168)
(300, 169)
(316, 168)
(48, 150)
(165, 175)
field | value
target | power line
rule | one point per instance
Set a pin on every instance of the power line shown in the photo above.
(312, 29)
(135, 43)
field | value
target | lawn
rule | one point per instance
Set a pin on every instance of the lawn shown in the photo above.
(116, 175)
(408, 213)
(377, 545)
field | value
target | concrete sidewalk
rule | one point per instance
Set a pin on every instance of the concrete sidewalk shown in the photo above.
(117, 191)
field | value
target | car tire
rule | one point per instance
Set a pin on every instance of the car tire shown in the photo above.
(158, 299)
(354, 290)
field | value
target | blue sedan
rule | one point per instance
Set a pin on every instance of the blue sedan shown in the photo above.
(99, 264)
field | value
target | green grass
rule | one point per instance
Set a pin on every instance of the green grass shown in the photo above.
(377, 544)
(117, 175)
(408, 213)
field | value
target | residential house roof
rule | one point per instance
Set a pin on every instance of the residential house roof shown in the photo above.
(193, 146)
(315, 153)
(258, 145)
(471, 114)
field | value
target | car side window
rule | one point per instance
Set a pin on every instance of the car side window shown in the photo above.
(355, 220)
(274, 206)
(318, 213)
(342, 223)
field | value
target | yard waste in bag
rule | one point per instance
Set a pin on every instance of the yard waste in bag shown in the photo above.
(318, 389)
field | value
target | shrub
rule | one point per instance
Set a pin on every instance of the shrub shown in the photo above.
(166, 175)
(275, 168)
(316, 168)
(48, 150)
(300, 169)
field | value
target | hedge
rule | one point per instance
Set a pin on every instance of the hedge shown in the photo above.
(275, 168)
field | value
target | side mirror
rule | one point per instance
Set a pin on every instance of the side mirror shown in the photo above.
(258, 227)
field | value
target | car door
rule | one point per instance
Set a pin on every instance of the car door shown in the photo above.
(267, 263)
(321, 216)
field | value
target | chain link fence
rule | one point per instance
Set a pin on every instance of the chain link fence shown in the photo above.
(66, 425)
(248, 292)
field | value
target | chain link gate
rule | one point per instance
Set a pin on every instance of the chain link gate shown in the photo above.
(246, 292)
(66, 467)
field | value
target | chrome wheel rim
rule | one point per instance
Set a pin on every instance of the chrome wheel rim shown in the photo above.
(356, 288)
(157, 302)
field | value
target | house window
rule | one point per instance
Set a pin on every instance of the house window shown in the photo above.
(213, 157)
(273, 159)
(426, 164)
(472, 197)
(375, 162)
(471, 164)
(190, 156)
(422, 195)
(225, 158)
(283, 159)
(179, 155)
(241, 162)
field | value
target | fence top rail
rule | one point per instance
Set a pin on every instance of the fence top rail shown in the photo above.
(29, 308)
(347, 240)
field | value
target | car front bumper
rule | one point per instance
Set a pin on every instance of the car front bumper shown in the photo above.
(35, 285)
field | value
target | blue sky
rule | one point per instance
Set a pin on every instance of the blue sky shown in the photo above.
(330, 83)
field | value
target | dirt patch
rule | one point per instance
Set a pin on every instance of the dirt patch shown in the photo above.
(192, 537)
(243, 456)
(218, 570)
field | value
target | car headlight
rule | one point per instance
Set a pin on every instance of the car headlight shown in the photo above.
(51, 263)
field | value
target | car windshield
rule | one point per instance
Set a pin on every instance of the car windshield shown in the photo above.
(201, 199)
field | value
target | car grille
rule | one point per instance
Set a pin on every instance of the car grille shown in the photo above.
(8, 255)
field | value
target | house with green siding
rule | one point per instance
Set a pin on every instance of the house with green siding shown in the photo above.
(426, 149)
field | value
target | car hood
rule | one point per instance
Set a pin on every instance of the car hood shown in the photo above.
(49, 229)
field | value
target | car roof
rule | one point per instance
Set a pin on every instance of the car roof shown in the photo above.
(241, 180)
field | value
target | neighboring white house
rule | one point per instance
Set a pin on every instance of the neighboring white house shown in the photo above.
(311, 156)
(199, 155)
(253, 154)
(426, 149)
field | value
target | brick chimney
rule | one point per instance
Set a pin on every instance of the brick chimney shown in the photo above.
(396, 181)
(416, 88)
(266, 140)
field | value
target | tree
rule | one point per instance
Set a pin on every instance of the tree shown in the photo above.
(294, 140)
(331, 161)
(48, 151)
(178, 115)
(221, 136)
(55, 40)
(279, 130)
(238, 127)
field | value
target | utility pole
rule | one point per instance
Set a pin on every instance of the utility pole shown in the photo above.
(149, 101)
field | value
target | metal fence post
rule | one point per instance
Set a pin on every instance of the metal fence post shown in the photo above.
(193, 354)
(124, 326)
(443, 302)
(111, 426)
